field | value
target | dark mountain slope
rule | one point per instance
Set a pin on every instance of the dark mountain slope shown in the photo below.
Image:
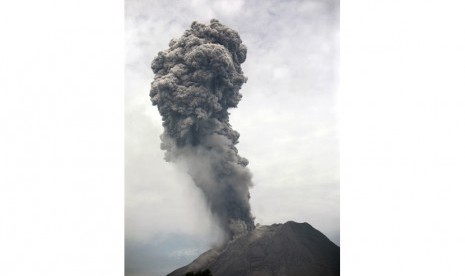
(289, 249)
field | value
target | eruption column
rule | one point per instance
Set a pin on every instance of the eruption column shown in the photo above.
(196, 80)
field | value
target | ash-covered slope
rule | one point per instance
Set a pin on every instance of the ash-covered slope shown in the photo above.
(289, 249)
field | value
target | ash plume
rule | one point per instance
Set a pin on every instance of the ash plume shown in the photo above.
(196, 80)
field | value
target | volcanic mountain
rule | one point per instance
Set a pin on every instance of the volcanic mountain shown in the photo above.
(289, 249)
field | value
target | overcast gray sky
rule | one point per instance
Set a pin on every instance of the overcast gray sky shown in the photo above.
(287, 121)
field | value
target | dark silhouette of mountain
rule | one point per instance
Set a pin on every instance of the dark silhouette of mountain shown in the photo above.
(289, 249)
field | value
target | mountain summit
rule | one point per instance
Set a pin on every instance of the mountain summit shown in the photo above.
(289, 249)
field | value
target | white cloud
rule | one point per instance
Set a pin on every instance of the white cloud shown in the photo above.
(228, 7)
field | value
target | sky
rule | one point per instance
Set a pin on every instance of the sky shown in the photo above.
(401, 133)
(287, 119)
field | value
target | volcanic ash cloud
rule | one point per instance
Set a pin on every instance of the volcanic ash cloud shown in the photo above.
(196, 80)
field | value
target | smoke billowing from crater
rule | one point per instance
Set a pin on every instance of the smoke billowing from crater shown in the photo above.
(196, 80)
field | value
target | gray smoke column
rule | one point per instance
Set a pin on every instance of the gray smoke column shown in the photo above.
(196, 80)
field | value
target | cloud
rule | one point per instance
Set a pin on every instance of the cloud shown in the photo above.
(287, 121)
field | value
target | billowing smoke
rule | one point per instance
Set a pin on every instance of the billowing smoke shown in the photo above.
(196, 80)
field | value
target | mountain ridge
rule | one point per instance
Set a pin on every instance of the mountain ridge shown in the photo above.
(284, 249)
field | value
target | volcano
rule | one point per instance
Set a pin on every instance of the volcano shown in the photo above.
(289, 249)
